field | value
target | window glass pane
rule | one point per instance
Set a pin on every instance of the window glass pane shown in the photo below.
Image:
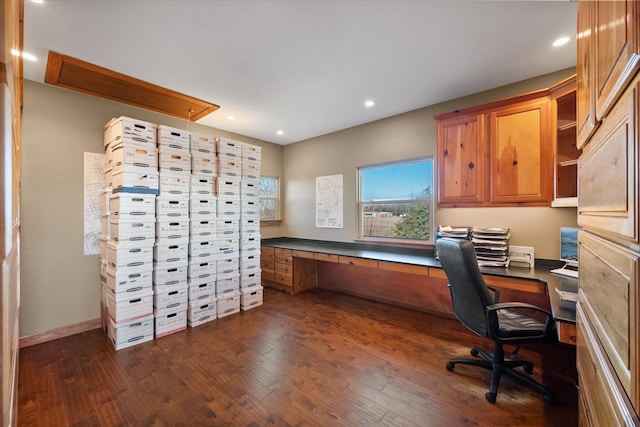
(267, 208)
(268, 187)
(396, 201)
(396, 182)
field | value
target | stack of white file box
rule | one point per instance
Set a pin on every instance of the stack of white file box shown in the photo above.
(201, 271)
(128, 230)
(171, 254)
(181, 230)
(250, 278)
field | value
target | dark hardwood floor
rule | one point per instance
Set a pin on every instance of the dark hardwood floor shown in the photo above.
(315, 359)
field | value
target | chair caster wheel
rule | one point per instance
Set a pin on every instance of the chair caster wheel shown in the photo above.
(491, 397)
(528, 368)
(549, 399)
(474, 352)
(450, 366)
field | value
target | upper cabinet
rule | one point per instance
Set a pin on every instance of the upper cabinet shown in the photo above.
(497, 154)
(563, 105)
(615, 49)
(462, 160)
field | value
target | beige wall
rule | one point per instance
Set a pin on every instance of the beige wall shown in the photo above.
(407, 136)
(60, 286)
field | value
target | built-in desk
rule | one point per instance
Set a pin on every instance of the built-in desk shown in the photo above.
(405, 276)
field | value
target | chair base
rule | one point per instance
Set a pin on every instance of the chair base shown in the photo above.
(498, 366)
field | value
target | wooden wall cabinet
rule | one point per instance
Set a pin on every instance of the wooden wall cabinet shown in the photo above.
(563, 105)
(462, 160)
(496, 154)
(608, 112)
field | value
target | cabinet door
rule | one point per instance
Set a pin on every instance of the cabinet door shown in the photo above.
(607, 182)
(521, 154)
(462, 152)
(585, 95)
(616, 50)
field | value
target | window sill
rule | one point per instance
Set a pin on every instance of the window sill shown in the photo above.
(396, 243)
(270, 222)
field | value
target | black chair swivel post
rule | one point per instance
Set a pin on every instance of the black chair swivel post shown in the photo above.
(504, 323)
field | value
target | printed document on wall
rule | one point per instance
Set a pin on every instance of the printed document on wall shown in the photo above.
(329, 201)
(94, 182)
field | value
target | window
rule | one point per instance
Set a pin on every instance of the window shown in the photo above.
(395, 201)
(269, 198)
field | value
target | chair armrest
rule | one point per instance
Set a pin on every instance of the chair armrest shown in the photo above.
(494, 324)
(496, 294)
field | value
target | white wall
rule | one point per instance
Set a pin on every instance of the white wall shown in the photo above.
(407, 136)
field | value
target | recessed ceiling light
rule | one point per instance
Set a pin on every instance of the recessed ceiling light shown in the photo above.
(280, 132)
(370, 103)
(561, 41)
(230, 118)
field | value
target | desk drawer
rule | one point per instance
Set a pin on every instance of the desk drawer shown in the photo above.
(403, 268)
(361, 262)
(326, 257)
(283, 256)
(303, 254)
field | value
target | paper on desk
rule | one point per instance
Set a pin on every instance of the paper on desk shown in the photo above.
(567, 296)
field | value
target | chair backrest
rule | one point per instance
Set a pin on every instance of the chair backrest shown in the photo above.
(469, 293)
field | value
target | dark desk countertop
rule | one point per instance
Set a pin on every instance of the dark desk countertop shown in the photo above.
(562, 311)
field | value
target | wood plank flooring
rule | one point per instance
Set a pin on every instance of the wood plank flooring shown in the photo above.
(315, 359)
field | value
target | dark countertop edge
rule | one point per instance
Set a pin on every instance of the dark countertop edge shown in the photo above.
(426, 258)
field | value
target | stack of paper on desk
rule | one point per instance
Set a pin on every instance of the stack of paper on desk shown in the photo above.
(459, 233)
(492, 246)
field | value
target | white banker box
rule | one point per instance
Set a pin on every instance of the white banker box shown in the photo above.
(147, 182)
(170, 323)
(175, 163)
(168, 253)
(227, 248)
(227, 266)
(172, 207)
(228, 228)
(172, 185)
(201, 290)
(250, 280)
(249, 209)
(118, 281)
(172, 232)
(129, 256)
(202, 270)
(229, 168)
(203, 186)
(228, 209)
(251, 298)
(251, 152)
(133, 207)
(127, 334)
(123, 128)
(203, 229)
(170, 300)
(228, 305)
(250, 226)
(228, 188)
(168, 277)
(204, 164)
(228, 147)
(249, 263)
(203, 207)
(173, 136)
(228, 285)
(202, 250)
(202, 144)
(132, 233)
(122, 307)
(200, 314)
(144, 156)
(249, 190)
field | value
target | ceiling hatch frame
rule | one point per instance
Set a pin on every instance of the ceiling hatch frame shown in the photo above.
(75, 74)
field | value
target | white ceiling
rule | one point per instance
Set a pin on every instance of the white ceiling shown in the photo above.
(306, 67)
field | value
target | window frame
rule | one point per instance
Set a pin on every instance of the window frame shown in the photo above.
(360, 203)
(277, 200)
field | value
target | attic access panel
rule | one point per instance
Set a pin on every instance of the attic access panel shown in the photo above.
(71, 73)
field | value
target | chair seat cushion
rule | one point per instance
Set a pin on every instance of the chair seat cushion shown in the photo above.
(514, 323)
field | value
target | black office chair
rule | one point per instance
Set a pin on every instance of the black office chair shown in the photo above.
(504, 323)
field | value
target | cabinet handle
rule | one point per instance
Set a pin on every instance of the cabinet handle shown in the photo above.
(515, 162)
(471, 165)
(446, 152)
